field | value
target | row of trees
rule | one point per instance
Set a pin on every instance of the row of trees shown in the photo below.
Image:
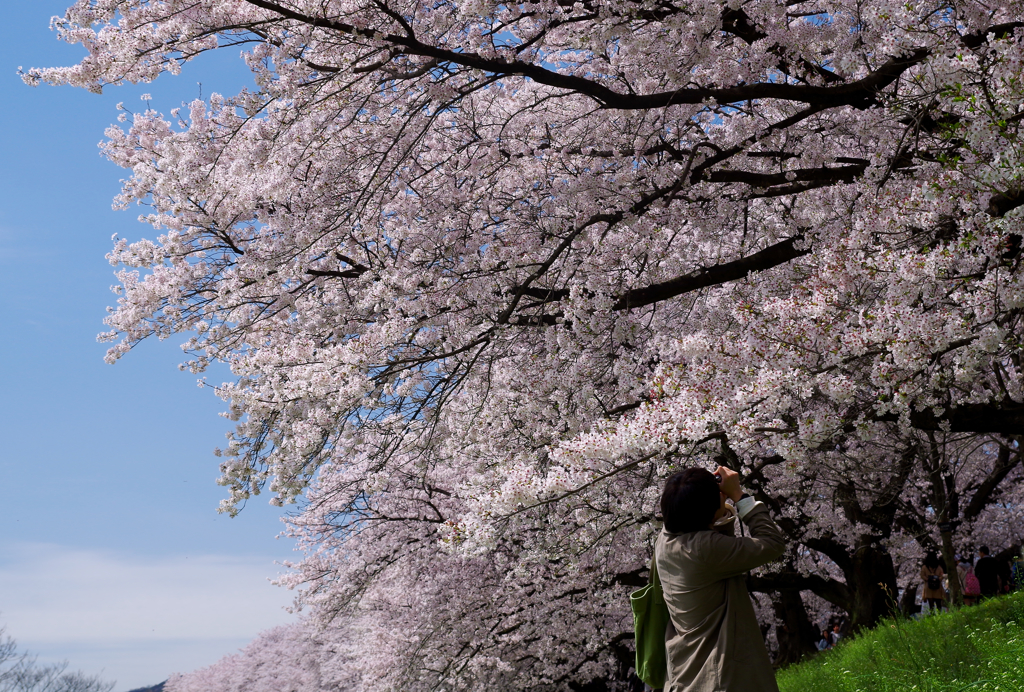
(22, 672)
(488, 273)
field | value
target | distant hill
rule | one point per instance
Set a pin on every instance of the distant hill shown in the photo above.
(154, 688)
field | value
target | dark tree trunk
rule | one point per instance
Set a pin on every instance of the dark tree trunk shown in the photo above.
(949, 566)
(872, 578)
(796, 635)
(908, 604)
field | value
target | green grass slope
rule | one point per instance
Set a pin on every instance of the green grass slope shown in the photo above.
(969, 650)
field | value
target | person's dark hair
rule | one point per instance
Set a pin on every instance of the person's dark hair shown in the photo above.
(983, 550)
(690, 500)
(931, 560)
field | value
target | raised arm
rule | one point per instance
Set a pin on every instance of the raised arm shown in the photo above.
(731, 556)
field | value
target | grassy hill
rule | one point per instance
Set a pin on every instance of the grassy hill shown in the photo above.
(969, 650)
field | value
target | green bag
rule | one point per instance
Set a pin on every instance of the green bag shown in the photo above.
(650, 619)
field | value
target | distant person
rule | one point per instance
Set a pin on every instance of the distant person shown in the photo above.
(824, 643)
(965, 560)
(836, 634)
(987, 571)
(969, 584)
(713, 639)
(931, 574)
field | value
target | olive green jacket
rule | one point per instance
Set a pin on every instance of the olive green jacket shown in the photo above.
(714, 642)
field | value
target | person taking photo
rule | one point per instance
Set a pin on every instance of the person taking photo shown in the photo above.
(713, 642)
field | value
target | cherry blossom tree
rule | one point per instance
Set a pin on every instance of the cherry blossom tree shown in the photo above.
(282, 659)
(486, 274)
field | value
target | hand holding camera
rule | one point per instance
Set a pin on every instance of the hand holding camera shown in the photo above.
(729, 483)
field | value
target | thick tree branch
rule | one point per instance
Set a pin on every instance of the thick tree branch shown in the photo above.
(859, 93)
(844, 174)
(835, 592)
(997, 30)
(1001, 418)
(770, 257)
(1002, 204)
(1006, 461)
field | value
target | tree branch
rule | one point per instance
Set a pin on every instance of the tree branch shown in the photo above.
(835, 592)
(1005, 462)
(1003, 418)
(859, 94)
(772, 256)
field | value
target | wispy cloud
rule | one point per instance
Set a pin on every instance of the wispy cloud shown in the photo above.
(135, 619)
(14, 247)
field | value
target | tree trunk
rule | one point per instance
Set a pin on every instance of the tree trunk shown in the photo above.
(908, 604)
(949, 558)
(796, 635)
(872, 579)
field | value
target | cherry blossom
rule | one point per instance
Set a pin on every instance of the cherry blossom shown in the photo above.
(486, 274)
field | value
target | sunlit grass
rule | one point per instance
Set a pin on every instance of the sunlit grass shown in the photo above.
(971, 649)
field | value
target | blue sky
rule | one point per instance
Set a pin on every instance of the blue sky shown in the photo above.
(112, 554)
